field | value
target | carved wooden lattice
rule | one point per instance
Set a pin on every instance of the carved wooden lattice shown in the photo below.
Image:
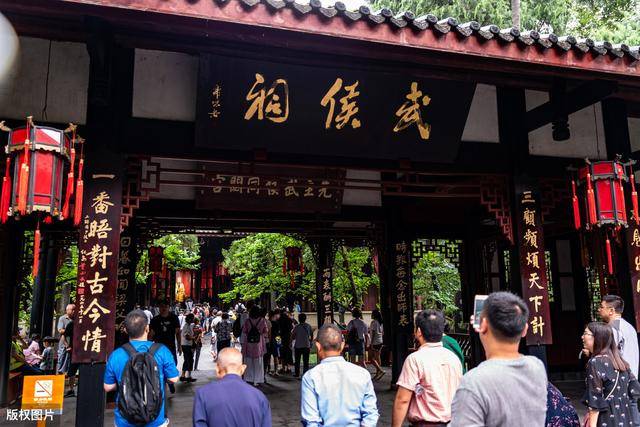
(494, 195)
(554, 192)
(143, 177)
(450, 249)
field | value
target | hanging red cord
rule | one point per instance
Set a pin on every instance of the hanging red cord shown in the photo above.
(609, 256)
(576, 207)
(591, 202)
(66, 210)
(5, 199)
(36, 250)
(77, 215)
(634, 194)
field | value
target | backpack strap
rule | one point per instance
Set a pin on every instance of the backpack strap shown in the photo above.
(129, 349)
(154, 348)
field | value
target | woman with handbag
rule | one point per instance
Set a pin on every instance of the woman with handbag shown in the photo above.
(612, 390)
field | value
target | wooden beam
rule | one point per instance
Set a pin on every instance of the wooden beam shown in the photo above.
(582, 96)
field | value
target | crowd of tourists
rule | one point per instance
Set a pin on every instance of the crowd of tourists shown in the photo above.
(248, 343)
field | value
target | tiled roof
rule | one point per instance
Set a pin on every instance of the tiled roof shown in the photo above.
(408, 21)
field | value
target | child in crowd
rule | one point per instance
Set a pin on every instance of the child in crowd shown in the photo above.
(47, 364)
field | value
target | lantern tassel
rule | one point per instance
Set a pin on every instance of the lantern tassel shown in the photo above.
(576, 207)
(23, 181)
(634, 194)
(5, 199)
(623, 204)
(36, 250)
(591, 202)
(70, 187)
(293, 280)
(609, 256)
(77, 215)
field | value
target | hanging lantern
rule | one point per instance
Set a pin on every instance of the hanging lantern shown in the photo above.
(38, 158)
(221, 270)
(292, 263)
(156, 257)
(605, 193)
(601, 186)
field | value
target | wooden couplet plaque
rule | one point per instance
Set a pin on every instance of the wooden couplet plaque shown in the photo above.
(633, 249)
(99, 243)
(533, 271)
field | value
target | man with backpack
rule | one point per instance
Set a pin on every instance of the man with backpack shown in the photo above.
(357, 338)
(139, 369)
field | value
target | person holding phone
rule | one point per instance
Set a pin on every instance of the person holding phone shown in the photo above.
(489, 393)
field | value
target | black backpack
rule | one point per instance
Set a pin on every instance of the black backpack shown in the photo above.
(253, 336)
(237, 327)
(140, 393)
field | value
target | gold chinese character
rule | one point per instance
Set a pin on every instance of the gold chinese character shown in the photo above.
(95, 284)
(272, 188)
(531, 238)
(253, 182)
(538, 325)
(99, 254)
(95, 309)
(273, 110)
(348, 107)
(532, 259)
(530, 217)
(409, 112)
(290, 190)
(215, 102)
(236, 180)
(636, 238)
(218, 181)
(638, 286)
(99, 229)
(323, 192)
(533, 281)
(101, 203)
(95, 338)
(537, 302)
(404, 320)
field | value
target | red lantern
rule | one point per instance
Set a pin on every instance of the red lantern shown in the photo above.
(292, 262)
(221, 270)
(605, 193)
(156, 257)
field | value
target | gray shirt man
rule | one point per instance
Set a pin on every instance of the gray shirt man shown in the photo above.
(502, 393)
(627, 339)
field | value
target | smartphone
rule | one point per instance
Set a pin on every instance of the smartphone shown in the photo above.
(478, 305)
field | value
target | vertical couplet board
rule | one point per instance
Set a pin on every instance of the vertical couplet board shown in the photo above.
(126, 291)
(99, 245)
(401, 285)
(633, 250)
(324, 283)
(533, 269)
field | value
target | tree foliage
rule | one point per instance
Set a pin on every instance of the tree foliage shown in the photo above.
(612, 20)
(437, 281)
(181, 251)
(255, 264)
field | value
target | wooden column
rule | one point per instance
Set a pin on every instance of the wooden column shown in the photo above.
(324, 281)
(48, 306)
(618, 142)
(38, 293)
(398, 260)
(109, 100)
(11, 245)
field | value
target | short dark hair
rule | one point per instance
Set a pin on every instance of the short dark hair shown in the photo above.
(431, 324)
(225, 315)
(615, 302)
(135, 323)
(330, 337)
(507, 315)
(302, 317)
(356, 313)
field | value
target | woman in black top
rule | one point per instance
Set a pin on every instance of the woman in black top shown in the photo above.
(612, 390)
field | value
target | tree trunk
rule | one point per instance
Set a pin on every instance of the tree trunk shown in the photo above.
(355, 301)
(515, 14)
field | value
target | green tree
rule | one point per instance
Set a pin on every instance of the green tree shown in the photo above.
(255, 263)
(437, 281)
(181, 251)
(350, 281)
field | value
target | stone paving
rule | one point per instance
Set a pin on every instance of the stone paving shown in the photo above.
(283, 393)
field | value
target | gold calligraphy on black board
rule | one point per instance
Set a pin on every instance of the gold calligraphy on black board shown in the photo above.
(297, 108)
(533, 270)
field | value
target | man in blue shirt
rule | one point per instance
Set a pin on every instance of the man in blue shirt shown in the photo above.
(230, 402)
(336, 392)
(137, 326)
